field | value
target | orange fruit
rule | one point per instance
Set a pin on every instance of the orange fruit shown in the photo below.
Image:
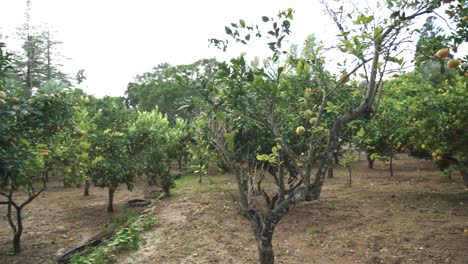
(442, 53)
(453, 63)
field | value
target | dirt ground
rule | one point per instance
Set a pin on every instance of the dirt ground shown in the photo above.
(418, 216)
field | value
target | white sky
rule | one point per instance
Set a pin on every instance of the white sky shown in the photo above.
(114, 40)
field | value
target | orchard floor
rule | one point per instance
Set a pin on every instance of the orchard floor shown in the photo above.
(418, 216)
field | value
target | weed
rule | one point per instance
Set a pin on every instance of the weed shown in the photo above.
(316, 231)
(128, 237)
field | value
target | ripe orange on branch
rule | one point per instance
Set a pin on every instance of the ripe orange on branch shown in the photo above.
(453, 63)
(442, 53)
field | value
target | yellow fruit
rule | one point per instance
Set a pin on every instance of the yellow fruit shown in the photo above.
(308, 91)
(454, 49)
(453, 63)
(414, 119)
(81, 133)
(466, 74)
(440, 90)
(439, 158)
(442, 53)
(423, 146)
(465, 18)
(313, 121)
(7, 188)
(15, 100)
(2, 102)
(45, 154)
(300, 130)
(434, 154)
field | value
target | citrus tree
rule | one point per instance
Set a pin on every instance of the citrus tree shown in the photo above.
(111, 153)
(301, 148)
(153, 141)
(27, 128)
(71, 157)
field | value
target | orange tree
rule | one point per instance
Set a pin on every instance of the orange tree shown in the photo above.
(153, 140)
(240, 96)
(71, 156)
(27, 126)
(111, 154)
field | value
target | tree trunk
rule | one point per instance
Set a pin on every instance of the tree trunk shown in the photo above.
(350, 178)
(391, 166)
(337, 161)
(17, 240)
(330, 172)
(86, 188)
(180, 162)
(465, 177)
(370, 162)
(110, 207)
(265, 250)
(151, 180)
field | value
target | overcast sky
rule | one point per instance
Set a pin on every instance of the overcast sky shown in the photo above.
(114, 40)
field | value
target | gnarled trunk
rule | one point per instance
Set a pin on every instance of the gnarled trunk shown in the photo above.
(265, 250)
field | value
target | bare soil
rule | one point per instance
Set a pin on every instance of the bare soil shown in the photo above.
(418, 216)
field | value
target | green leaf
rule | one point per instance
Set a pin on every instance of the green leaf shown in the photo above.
(262, 157)
(242, 23)
(228, 30)
(41, 146)
(280, 70)
(361, 132)
(274, 150)
(25, 142)
(265, 19)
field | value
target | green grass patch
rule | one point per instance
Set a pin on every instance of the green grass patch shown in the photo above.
(125, 238)
(316, 231)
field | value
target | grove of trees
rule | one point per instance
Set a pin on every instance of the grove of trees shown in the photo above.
(275, 125)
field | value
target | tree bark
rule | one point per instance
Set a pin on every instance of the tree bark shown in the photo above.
(391, 166)
(86, 188)
(370, 162)
(265, 250)
(19, 232)
(337, 161)
(330, 172)
(179, 161)
(110, 207)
